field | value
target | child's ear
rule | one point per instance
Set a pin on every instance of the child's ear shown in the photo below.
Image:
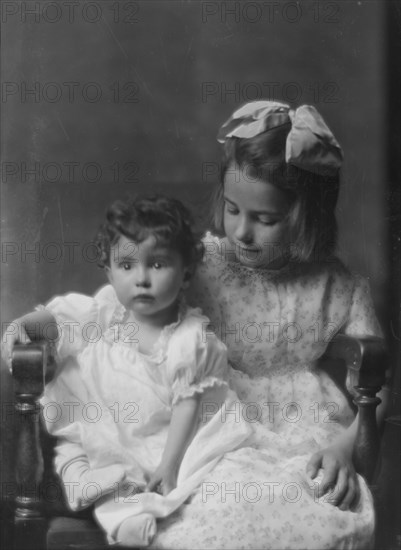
(109, 274)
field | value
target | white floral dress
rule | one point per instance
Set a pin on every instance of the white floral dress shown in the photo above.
(110, 404)
(276, 324)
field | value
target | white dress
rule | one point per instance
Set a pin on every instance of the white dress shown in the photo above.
(112, 404)
(276, 324)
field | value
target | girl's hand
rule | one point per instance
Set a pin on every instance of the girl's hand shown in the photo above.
(340, 481)
(14, 334)
(163, 480)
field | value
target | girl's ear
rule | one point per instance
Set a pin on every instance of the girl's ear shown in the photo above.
(109, 274)
(187, 278)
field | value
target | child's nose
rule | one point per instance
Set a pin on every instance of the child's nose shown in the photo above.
(142, 277)
(243, 231)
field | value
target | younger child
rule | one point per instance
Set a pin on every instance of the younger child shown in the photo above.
(135, 364)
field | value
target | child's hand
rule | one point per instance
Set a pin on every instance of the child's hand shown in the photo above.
(163, 480)
(339, 482)
(14, 334)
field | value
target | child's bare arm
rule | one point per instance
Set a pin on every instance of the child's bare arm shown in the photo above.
(37, 325)
(183, 423)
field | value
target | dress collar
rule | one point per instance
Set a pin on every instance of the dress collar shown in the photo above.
(239, 268)
(120, 315)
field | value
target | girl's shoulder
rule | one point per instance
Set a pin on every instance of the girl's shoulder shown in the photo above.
(106, 296)
(192, 341)
(110, 310)
(336, 285)
(192, 329)
(331, 268)
(329, 271)
(83, 307)
(192, 322)
(329, 279)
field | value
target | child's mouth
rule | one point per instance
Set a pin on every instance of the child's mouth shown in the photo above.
(143, 298)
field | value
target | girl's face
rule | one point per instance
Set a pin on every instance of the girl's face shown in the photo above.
(255, 219)
(147, 278)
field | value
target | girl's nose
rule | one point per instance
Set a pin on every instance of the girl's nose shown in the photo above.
(142, 277)
(243, 231)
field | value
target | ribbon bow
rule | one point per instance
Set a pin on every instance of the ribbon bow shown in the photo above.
(310, 144)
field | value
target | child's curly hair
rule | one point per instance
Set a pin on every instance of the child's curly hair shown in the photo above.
(165, 218)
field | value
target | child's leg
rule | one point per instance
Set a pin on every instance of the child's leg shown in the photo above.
(137, 531)
(84, 486)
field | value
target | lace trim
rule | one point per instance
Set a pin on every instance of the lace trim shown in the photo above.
(118, 316)
(157, 354)
(168, 330)
(189, 391)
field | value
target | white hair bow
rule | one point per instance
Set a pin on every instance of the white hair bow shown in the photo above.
(310, 144)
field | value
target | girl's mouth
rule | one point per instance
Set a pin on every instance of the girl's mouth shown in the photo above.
(247, 250)
(144, 298)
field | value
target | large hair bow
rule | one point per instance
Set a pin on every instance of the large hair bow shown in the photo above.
(310, 144)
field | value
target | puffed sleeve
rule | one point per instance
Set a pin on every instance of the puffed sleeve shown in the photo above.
(76, 316)
(196, 359)
(362, 319)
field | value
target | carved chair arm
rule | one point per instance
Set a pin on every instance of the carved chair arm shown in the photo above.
(366, 360)
(28, 371)
(365, 357)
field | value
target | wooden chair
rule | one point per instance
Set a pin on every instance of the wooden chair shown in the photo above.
(42, 520)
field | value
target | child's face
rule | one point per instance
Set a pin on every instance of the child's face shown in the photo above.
(255, 219)
(147, 277)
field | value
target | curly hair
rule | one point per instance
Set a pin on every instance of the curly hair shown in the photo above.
(164, 218)
(312, 195)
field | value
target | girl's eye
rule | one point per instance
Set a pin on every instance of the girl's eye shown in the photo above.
(231, 209)
(126, 266)
(267, 221)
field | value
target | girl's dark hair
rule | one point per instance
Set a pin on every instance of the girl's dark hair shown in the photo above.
(165, 218)
(312, 196)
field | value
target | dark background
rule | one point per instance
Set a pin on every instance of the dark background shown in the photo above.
(135, 99)
(110, 98)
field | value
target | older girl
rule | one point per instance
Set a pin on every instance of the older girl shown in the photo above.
(276, 294)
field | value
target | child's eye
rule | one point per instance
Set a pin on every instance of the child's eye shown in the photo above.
(126, 266)
(159, 265)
